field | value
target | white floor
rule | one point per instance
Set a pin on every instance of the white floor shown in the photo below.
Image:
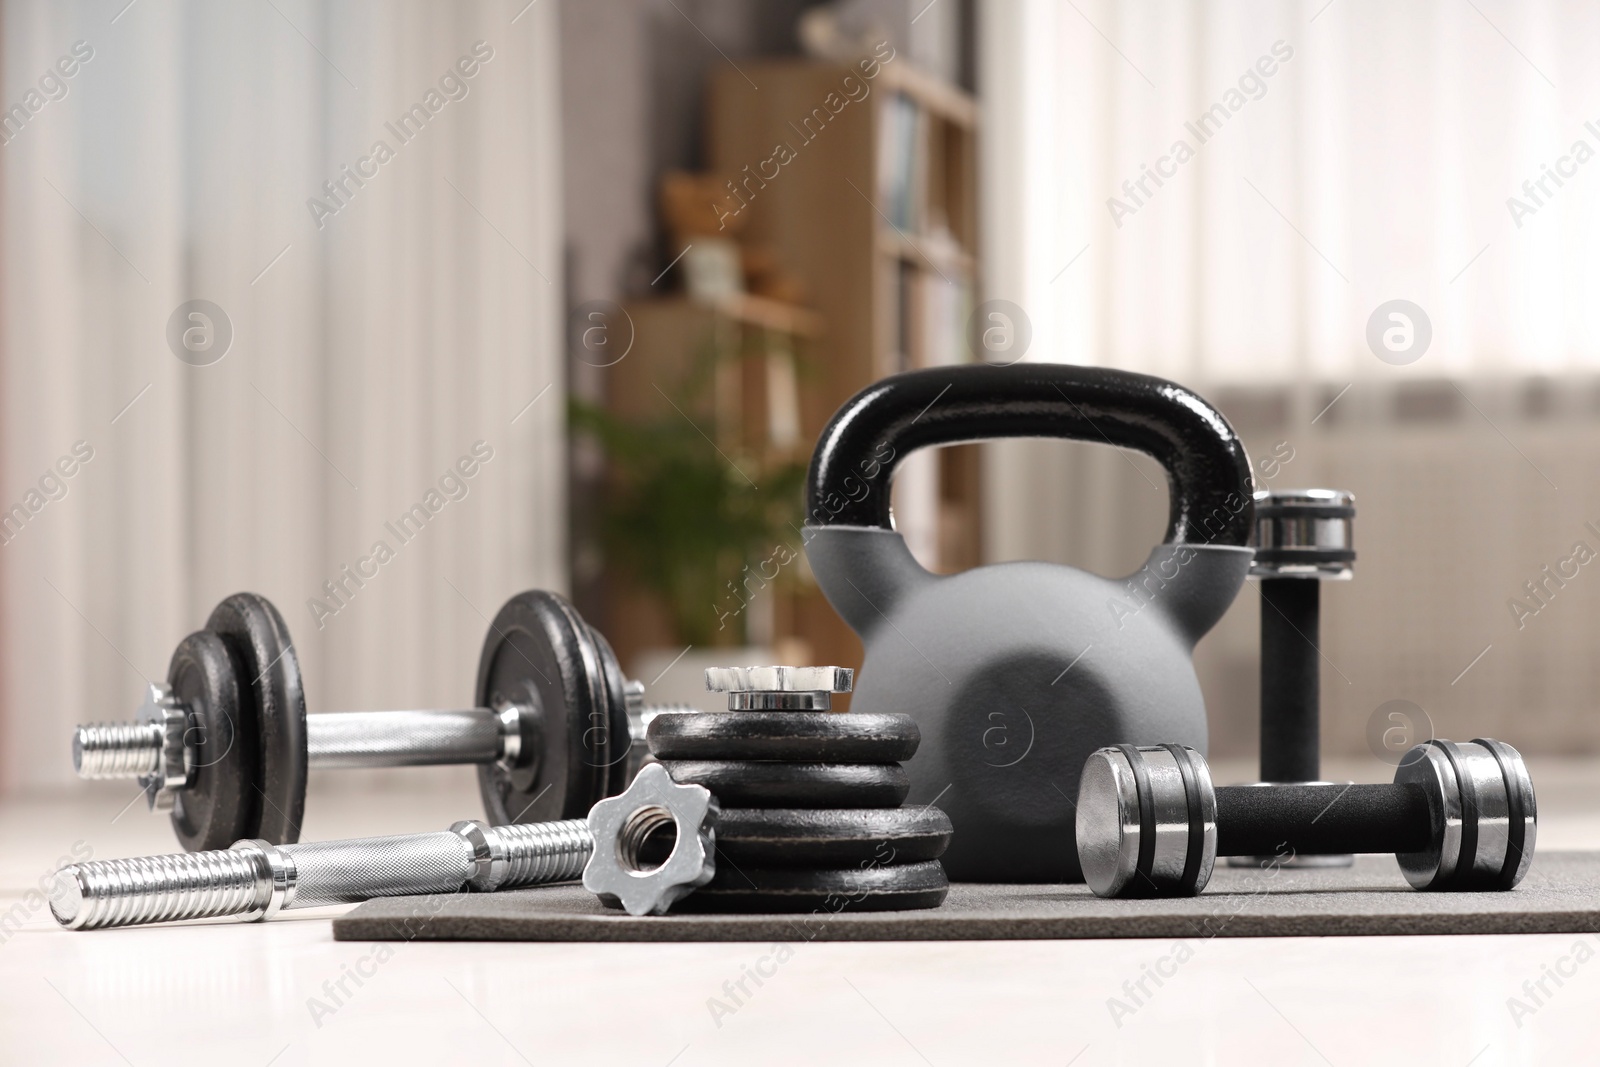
(285, 993)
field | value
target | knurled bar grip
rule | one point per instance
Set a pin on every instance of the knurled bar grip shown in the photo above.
(402, 738)
(1290, 680)
(1309, 820)
(340, 872)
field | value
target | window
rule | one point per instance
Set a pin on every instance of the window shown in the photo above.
(1227, 192)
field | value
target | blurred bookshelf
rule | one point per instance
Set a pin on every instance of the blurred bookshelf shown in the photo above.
(752, 402)
(877, 213)
(873, 212)
(748, 352)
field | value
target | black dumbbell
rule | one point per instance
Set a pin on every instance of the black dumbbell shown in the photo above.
(226, 744)
(1303, 537)
(1150, 823)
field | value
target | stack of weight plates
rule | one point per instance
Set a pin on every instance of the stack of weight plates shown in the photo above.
(811, 817)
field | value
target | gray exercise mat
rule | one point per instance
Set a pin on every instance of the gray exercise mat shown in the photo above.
(1561, 894)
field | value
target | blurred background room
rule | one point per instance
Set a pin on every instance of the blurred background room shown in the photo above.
(626, 257)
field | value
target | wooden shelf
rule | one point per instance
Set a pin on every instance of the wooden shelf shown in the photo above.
(767, 314)
(947, 101)
(926, 251)
(875, 213)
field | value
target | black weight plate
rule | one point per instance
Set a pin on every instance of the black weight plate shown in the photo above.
(840, 837)
(809, 736)
(540, 653)
(902, 888)
(269, 680)
(220, 805)
(617, 699)
(762, 784)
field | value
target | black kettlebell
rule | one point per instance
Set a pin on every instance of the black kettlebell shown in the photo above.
(1016, 672)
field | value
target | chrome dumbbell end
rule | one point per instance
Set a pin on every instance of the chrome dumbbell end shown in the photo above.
(1484, 815)
(1146, 821)
(1457, 817)
(103, 750)
(152, 748)
(1304, 533)
(251, 880)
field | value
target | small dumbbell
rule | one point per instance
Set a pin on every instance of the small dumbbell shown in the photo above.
(1150, 823)
(1303, 537)
(255, 880)
(226, 744)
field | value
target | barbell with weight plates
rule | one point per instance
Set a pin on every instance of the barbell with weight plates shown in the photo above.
(1457, 817)
(226, 744)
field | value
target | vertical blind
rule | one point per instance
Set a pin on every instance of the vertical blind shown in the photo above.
(366, 196)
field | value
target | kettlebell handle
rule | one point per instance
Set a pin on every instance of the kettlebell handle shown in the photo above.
(1208, 472)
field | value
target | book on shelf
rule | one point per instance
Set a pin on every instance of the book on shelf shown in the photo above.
(902, 162)
(931, 311)
(946, 302)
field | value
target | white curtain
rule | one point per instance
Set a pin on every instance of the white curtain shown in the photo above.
(376, 341)
(1374, 161)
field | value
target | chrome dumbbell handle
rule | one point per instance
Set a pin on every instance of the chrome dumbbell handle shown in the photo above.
(342, 739)
(411, 738)
(255, 880)
(158, 748)
(117, 749)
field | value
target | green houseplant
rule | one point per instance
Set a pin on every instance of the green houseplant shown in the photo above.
(686, 522)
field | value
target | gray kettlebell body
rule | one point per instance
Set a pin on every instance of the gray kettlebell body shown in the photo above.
(1016, 672)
